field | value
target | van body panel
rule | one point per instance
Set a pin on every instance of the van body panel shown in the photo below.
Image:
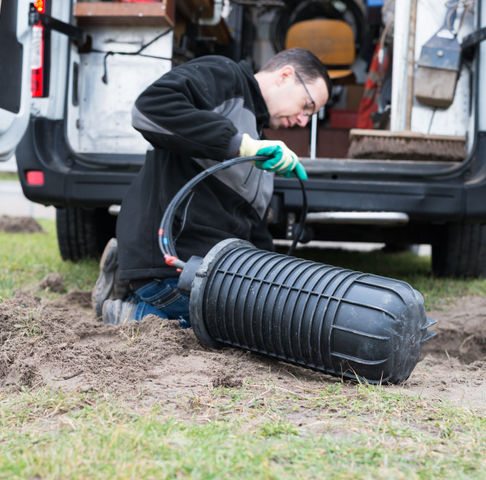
(482, 71)
(15, 35)
(69, 178)
(103, 86)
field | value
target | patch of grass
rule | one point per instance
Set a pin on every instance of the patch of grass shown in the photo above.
(13, 176)
(31, 325)
(26, 258)
(356, 432)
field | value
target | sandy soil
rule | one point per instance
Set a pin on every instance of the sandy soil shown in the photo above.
(59, 343)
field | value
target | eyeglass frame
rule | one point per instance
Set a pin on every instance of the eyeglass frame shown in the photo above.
(313, 103)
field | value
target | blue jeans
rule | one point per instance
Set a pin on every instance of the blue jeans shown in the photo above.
(162, 298)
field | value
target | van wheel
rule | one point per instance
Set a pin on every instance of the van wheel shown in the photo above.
(460, 251)
(83, 233)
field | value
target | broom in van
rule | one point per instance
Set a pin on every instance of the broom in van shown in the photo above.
(434, 86)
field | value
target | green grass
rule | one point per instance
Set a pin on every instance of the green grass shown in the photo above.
(13, 176)
(359, 432)
(26, 258)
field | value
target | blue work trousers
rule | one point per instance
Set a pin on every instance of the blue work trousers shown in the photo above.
(162, 298)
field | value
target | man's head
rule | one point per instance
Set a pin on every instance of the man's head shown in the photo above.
(294, 84)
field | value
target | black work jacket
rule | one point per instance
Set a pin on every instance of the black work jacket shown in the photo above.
(194, 116)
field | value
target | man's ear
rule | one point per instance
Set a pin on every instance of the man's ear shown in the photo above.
(284, 73)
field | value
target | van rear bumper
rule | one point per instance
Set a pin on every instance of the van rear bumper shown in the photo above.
(71, 179)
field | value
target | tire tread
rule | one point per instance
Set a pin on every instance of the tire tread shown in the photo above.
(461, 251)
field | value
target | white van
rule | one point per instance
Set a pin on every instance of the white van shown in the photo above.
(70, 72)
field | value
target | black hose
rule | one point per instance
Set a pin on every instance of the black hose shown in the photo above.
(165, 236)
(297, 233)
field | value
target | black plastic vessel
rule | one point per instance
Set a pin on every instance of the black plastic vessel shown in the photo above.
(338, 321)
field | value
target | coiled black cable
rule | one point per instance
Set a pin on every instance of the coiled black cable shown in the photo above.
(165, 235)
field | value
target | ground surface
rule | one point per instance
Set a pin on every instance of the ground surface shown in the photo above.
(60, 343)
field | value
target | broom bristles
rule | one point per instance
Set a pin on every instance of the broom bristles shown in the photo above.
(398, 146)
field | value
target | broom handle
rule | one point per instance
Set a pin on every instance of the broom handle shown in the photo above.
(411, 64)
(450, 16)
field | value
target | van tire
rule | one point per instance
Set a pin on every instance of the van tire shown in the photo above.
(460, 251)
(83, 233)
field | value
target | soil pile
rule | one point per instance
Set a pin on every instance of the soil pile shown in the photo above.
(60, 343)
(19, 225)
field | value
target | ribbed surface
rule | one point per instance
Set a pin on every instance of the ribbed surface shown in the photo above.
(319, 316)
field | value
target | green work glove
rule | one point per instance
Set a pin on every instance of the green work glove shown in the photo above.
(282, 160)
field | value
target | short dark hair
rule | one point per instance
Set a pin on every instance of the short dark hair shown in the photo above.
(304, 61)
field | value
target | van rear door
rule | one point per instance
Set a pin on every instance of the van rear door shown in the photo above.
(15, 74)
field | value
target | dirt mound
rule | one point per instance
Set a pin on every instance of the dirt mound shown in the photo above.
(60, 343)
(461, 332)
(19, 225)
(53, 282)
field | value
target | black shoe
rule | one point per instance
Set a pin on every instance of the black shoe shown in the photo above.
(106, 280)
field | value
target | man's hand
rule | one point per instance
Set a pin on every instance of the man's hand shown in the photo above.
(282, 160)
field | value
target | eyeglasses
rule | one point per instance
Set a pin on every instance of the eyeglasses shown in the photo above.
(309, 107)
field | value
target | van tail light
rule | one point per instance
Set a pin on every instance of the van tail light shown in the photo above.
(34, 177)
(38, 55)
(37, 79)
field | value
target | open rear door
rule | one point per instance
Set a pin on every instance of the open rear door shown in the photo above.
(15, 73)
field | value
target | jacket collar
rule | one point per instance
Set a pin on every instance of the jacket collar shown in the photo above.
(261, 112)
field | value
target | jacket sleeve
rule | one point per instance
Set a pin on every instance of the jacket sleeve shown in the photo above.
(179, 111)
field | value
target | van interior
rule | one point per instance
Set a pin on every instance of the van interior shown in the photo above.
(372, 58)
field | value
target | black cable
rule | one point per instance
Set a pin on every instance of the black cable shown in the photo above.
(184, 217)
(166, 243)
(165, 236)
(303, 215)
(138, 52)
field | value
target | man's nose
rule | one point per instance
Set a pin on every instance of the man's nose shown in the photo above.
(302, 120)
